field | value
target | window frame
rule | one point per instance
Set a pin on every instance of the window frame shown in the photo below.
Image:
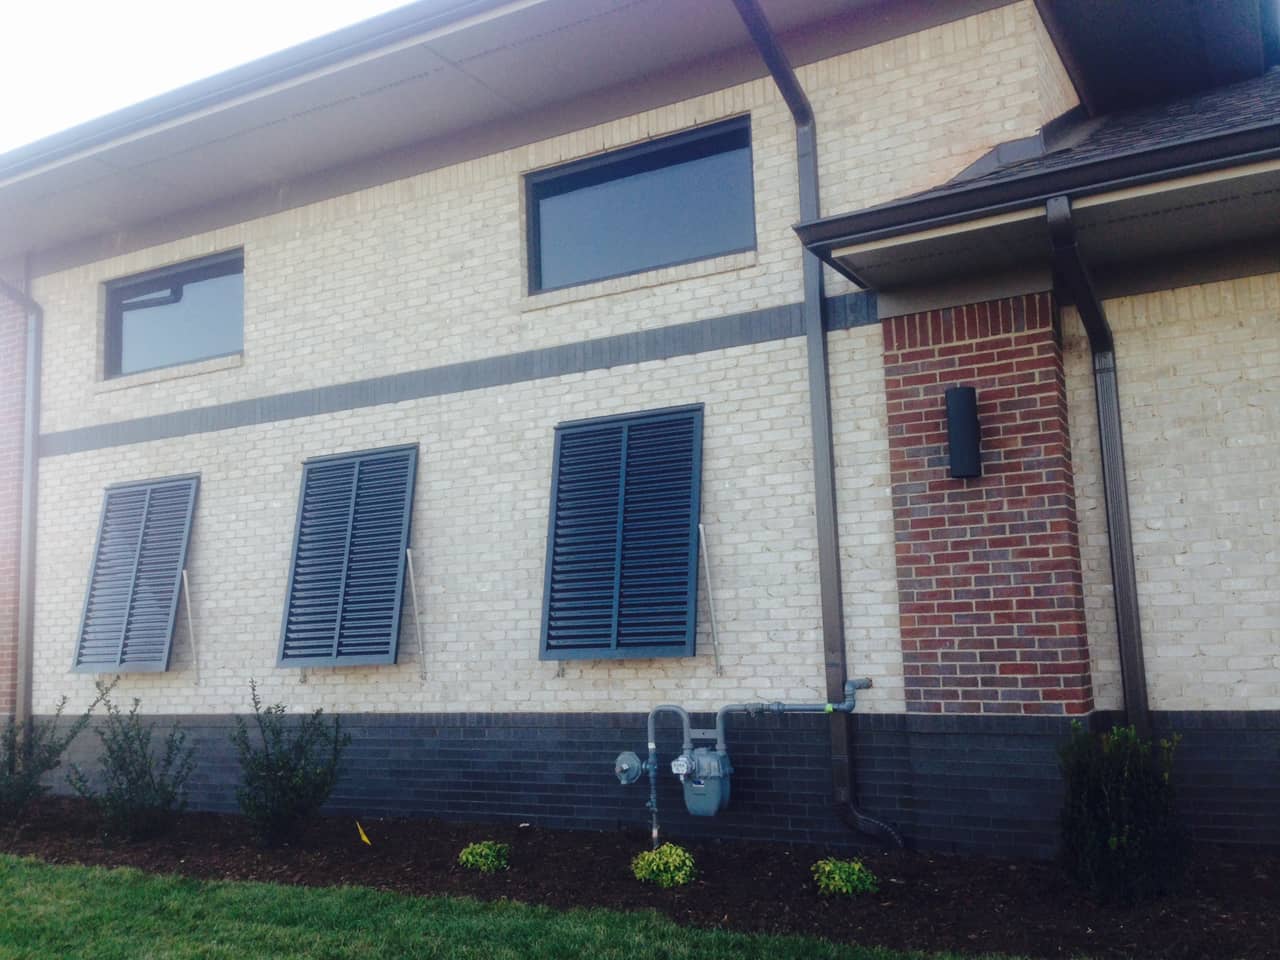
(122, 289)
(616, 652)
(577, 174)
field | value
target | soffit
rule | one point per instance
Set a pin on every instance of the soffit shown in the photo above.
(1231, 209)
(1124, 53)
(524, 56)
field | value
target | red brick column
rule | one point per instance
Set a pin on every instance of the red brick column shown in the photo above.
(989, 574)
(13, 343)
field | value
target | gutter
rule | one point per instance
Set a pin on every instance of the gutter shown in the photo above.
(837, 670)
(1071, 275)
(27, 537)
(1036, 188)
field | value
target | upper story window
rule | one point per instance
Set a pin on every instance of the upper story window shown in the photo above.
(682, 198)
(180, 314)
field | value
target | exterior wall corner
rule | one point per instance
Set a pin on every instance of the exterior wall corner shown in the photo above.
(13, 344)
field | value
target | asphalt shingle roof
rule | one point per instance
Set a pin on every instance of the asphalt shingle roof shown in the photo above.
(1222, 110)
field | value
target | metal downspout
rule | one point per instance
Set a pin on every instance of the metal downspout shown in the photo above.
(1071, 272)
(27, 537)
(820, 417)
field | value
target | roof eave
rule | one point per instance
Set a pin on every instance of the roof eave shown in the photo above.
(352, 41)
(914, 214)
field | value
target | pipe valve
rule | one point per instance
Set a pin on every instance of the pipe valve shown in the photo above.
(627, 768)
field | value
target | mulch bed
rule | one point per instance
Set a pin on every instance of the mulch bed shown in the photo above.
(1229, 908)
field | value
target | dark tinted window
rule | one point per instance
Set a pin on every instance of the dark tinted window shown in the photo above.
(683, 198)
(178, 315)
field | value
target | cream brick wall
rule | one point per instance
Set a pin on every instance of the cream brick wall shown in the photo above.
(480, 518)
(1057, 92)
(401, 276)
(865, 504)
(428, 271)
(1200, 397)
(911, 113)
(1100, 621)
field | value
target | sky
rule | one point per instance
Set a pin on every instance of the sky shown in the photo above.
(63, 62)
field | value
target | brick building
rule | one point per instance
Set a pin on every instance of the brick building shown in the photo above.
(413, 286)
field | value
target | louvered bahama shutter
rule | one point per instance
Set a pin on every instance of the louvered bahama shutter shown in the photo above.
(622, 545)
(136, 577)
(347, 577)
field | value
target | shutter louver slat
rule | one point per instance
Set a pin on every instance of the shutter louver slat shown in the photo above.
(136, 577)
(347, 579)
(622, 541)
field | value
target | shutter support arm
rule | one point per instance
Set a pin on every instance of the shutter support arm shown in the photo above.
(191, 627)
(711, 599)
(417, 614)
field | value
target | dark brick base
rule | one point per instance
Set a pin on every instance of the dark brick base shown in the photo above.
(964, 784)
(1228, 770)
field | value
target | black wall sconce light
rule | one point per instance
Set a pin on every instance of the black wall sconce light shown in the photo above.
(963, 432)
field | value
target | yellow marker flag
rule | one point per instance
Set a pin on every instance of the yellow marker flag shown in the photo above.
(363, 835)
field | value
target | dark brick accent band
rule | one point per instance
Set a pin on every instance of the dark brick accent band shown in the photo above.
(989, 575)
(1227, 770)
(678, 340)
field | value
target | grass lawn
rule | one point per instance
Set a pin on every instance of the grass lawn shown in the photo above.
(74, 912)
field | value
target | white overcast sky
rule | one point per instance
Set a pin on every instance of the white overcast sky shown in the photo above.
(63, 62)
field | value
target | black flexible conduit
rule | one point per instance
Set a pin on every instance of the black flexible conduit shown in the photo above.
(820, 416)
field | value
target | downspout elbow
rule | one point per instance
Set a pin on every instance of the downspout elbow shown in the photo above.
(1069, 266)
(856, 820)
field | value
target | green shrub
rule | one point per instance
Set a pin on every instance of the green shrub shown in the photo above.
(845, 877)
(288, 770)
(668, 866)
(487, 856)
(1121, 837)
(30, 750)
(141, 791)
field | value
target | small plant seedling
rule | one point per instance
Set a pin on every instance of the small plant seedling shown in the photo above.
(845, 877)
(486, 856)
(668, 866)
